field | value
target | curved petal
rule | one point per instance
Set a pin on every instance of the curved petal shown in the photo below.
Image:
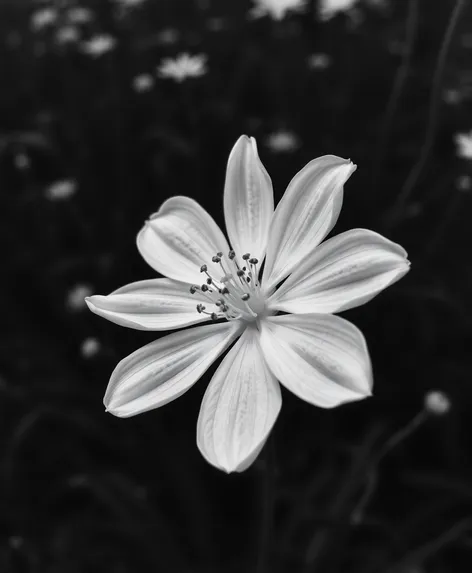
(156, 304)
(163, 370)
(321, 358)
(306, 213)
(248, 200)
(178, 239)
(343, 272)
(239, 408)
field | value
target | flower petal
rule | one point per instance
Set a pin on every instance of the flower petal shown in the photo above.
(248, 199)
(178, 239)
(239, 408)
(156, 304)
(343, 272)
(321, 358)
(305, 215)
(163, 370)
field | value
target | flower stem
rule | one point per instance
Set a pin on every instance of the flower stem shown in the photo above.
(268, 499)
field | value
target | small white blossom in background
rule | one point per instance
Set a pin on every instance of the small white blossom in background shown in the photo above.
(43, 18)
(126, 6)
(79, 15)
(98, 45)
(452, 96)
(21, 161)
(168, 36)
(464, 183)
(90, 347)
(67, 35)
(16, 541)
(129, 3)
(143, 83)
(276, 9)
(464, 144)
(182, 67)
(75, 300)
(61, 190)
(318, 61)
(437, 402)
(329, 8)
(282, 141)
(215, 24)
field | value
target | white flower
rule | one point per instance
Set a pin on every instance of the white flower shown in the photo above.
(319, 61)
(452, 96)
(182, 67)
(282, 141)
(79, 15)
(276, 9)
(143, 82)
(98, 45)
(60, 190)
(130, 3)
(21, 161)
(67, 34)
(76, 296)
(43, 18)
(90, 347)
(329, 8)
(168, 36)
(464, 183)
(437, 402)
(464, 144)
(321, 358)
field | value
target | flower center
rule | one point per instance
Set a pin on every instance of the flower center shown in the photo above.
(236, 294)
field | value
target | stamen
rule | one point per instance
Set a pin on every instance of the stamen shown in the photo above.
(230, 294)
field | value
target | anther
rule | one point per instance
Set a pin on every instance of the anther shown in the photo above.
(219, 254)
(209, 281)
(231, 255)
(253, 261)
(240, 273)
(200, 308)
(246, 296)
(224, 290)
(246, 257)
(203, 269)
(216, 259)
(193, 289)
(214, 316)
(204, 288)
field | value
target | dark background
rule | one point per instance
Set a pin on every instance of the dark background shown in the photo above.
(84, 492)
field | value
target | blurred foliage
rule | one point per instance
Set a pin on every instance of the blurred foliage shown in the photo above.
(85, 492)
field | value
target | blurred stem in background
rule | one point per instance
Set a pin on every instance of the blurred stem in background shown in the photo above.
(268, 496)
(412, 179)
(399, 83)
